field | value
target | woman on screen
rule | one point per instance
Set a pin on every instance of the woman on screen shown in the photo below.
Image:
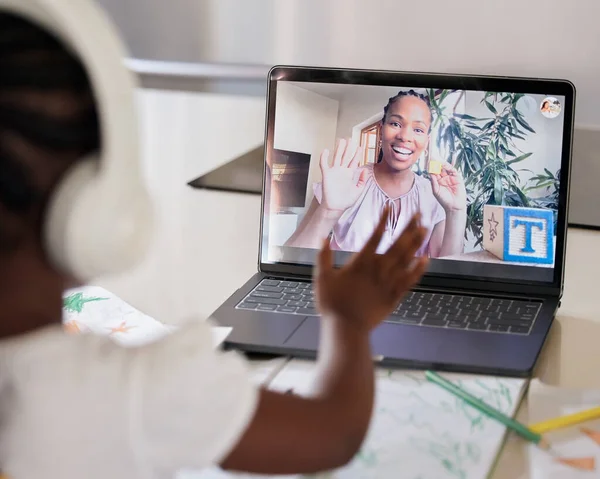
(350, 199)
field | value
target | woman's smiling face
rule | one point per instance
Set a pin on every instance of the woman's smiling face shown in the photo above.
(405, 132)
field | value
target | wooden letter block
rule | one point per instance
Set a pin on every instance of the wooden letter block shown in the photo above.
(522, 235)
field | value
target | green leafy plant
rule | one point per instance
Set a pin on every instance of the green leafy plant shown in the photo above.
(484, 151)
(550, 183)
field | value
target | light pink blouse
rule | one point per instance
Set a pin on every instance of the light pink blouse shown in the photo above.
(358, 222)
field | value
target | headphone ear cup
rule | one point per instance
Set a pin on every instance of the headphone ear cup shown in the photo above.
(91, 230)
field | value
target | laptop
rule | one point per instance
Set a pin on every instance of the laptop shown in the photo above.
(495, 278)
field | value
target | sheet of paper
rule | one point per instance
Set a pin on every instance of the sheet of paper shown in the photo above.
(92, 309)
(419, 431)
(220, 334)
(264, 371)
(96, 310)
(576, 449)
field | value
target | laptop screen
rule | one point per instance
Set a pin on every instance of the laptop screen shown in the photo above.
(483, 169)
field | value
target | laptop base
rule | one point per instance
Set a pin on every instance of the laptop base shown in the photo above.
(393, 345)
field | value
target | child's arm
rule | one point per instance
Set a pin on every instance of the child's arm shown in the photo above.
(292, 435)
(179, 404)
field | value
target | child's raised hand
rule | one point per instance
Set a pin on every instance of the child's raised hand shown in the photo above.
(370, 286)
(341, 187)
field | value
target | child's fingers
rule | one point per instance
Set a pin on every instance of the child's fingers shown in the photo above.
(406, 279)
(371, 247)
(404, 246)
(403, 259)
(325, 262)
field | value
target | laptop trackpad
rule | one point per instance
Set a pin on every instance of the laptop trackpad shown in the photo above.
(306, 336)
(252, 327)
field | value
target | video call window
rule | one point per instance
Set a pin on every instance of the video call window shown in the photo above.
(482, 169)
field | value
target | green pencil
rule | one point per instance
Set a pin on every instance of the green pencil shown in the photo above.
(482, 407)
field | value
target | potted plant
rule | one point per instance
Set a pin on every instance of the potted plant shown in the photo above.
(485, 152)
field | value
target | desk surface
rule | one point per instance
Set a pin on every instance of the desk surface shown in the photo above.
(219, 255)
(207, 246)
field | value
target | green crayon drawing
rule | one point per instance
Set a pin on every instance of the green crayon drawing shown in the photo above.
(389, 375)
(411, 420)
(367, 458)
(417, 411)
(76, 302)
(418, 379)
(501, 395)
(497, 396)
(454, 456)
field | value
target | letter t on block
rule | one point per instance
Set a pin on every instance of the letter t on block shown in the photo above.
(520, 235)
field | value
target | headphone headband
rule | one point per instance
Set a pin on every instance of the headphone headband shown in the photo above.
(99, 217)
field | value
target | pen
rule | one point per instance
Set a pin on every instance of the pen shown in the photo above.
(566, 421)
(489, 411)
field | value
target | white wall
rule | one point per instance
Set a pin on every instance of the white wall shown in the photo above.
(360, 103)
(305, 122)
(552, 38)
(182, 136)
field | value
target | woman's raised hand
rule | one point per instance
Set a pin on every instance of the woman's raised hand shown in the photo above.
(341, 186)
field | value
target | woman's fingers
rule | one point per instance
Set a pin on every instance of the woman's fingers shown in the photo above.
(324, 160)
(435, 182)
(350, 153)
(340, 149)
(449, 170)
(362, 179)
(358, 157)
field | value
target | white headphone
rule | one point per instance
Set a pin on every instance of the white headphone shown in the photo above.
(99, 219)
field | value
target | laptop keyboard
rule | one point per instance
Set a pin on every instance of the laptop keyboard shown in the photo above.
(451, 311)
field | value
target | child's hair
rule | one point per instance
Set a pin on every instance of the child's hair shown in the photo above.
(392, 100)
(34, 64)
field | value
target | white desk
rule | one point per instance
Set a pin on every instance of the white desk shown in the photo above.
(220, 254)
(207, 247)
